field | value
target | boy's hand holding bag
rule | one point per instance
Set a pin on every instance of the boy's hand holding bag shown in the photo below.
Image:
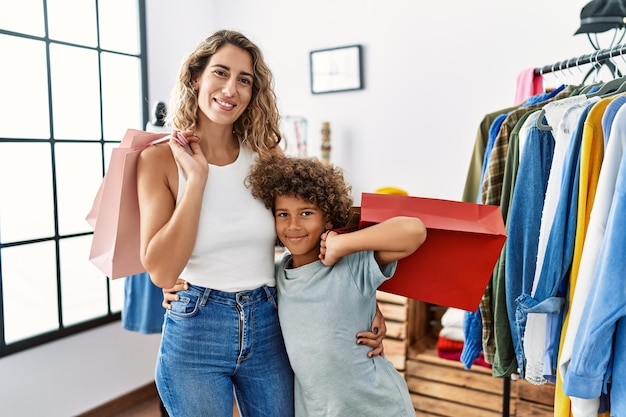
(114, 215)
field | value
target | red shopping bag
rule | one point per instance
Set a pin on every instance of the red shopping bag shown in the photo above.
(114, 215)
(455, 262)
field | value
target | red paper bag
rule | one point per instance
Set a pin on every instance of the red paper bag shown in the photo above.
(114, 215)
(455, 262)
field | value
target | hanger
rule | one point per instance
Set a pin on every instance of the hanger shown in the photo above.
(594, 67)
(621, 88)
(614, 85)
(581, 87)
(540, 124)
(610, 87)
(568, 67)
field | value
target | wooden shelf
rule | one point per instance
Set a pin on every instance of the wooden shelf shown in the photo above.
(444, 388)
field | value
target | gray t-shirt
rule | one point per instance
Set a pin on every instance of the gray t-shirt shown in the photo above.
(321, 309)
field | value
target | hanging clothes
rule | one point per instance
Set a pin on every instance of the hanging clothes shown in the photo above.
(599, 356)
(475, 341)
(546, 298)
(523, 222)
(528, 84)
(491, 193)
(586, 279)
(582, 268)
(504, 363)
(554, 308)
(475, 170)
(142, 311)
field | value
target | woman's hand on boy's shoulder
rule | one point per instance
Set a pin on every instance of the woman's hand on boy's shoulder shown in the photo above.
(374, 338)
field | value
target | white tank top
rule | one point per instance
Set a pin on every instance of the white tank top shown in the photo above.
(234, 250)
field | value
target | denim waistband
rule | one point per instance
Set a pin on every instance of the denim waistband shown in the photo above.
(262, 293)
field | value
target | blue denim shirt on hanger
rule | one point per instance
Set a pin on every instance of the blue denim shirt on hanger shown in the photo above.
(524, 224)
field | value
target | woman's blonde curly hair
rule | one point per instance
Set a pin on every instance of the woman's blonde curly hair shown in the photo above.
(258, 126)
(305, 178)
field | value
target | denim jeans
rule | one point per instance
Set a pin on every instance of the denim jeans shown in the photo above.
(215, 343)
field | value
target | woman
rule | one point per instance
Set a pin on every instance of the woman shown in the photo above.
(201, 224)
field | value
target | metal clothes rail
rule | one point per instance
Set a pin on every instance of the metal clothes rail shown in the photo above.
(598, 58)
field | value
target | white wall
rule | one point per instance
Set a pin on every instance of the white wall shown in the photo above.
(432, 70)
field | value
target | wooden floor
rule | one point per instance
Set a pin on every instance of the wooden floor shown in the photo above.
(148, 408)
(142, 402)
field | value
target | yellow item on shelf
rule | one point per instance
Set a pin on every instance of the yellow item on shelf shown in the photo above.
(391, 190)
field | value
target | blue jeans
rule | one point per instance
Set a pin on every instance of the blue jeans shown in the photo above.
(215, 343)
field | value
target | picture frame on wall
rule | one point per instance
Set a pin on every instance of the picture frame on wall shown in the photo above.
(336, 69)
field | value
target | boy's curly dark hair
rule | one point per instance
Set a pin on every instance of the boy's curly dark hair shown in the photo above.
(305, 178)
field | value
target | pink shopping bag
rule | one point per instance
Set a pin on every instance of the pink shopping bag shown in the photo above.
(114, 215)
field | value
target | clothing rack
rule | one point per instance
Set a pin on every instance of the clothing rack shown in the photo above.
(597, 59)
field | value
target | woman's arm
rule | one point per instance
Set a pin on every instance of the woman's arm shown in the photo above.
(375, 337)
(168, 230)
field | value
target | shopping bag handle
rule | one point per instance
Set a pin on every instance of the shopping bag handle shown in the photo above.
(179, 137)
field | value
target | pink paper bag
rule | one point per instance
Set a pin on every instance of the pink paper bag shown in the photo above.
(114, 215)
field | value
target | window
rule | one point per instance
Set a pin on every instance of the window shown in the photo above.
(72, 80)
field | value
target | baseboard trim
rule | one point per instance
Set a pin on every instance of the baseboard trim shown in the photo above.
(124, 402)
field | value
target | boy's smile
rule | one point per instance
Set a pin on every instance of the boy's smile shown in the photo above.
(299, 226)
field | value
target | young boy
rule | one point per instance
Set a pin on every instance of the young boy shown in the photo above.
(327, 288)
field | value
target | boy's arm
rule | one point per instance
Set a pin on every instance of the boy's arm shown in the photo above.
(391, 240)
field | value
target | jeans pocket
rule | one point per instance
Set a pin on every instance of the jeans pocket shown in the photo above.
(187, 304)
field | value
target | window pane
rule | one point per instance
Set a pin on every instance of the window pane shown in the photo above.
(25, 16)
(26, 210)
(121, 94)
(28, 58)
(117, 294)
(79, 174)
(119, 25)
(73, 21)
(83, 286)
(75, 92)
(29, 290)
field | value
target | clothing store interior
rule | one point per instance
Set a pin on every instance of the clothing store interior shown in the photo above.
(516, 105)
